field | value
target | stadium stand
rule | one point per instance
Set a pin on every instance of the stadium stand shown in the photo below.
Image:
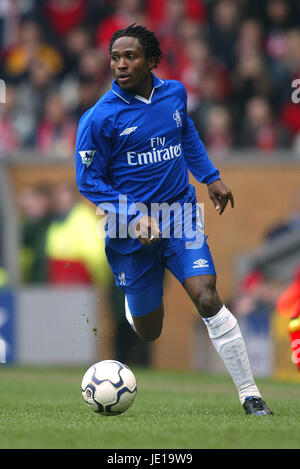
(238, 61)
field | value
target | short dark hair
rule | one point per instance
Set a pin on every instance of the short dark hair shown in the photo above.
(147, 39)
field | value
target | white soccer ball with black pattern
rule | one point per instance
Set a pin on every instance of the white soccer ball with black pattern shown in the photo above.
(109, 387)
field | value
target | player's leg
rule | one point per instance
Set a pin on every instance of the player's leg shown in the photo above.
(224, 332)
(203, 292)
(227, 339)
(143, 315)
(149, 326)
(195, 270)
(140, 275)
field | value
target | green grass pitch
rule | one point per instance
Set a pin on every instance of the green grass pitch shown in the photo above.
(43, 408)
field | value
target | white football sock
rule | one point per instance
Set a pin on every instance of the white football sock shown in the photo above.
(128, 314)
(227, 339)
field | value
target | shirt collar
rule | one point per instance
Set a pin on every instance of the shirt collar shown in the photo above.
(128, 97)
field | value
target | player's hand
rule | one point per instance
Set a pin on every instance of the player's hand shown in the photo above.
(147, 230)
(219, 193)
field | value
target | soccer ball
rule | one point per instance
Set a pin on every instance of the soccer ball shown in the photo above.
(109, 387)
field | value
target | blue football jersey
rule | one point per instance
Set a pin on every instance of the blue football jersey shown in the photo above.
(140, 148)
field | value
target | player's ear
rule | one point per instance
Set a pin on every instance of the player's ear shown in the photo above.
(152, 63)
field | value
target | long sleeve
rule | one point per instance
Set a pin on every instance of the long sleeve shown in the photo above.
(195, 154)
(93, 151)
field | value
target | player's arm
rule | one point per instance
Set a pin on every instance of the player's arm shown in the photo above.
(201, 166)
(93, 152)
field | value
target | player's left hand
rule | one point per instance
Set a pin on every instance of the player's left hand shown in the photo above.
(219, 193)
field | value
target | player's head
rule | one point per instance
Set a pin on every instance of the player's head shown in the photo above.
(146, 38)
(134, 52)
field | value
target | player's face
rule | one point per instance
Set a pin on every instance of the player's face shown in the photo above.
(130, 67)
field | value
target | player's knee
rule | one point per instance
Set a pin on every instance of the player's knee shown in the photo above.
(149, 335)
(149, 326)
(207, 300)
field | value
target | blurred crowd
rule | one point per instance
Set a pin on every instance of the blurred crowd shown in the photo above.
(62, 245)
(237, 58)
(59, 237)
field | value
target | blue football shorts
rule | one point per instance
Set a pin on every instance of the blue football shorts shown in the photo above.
(184, 253)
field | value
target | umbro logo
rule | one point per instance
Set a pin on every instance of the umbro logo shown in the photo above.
(200, 263)
(128, 131)
(87, 157)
